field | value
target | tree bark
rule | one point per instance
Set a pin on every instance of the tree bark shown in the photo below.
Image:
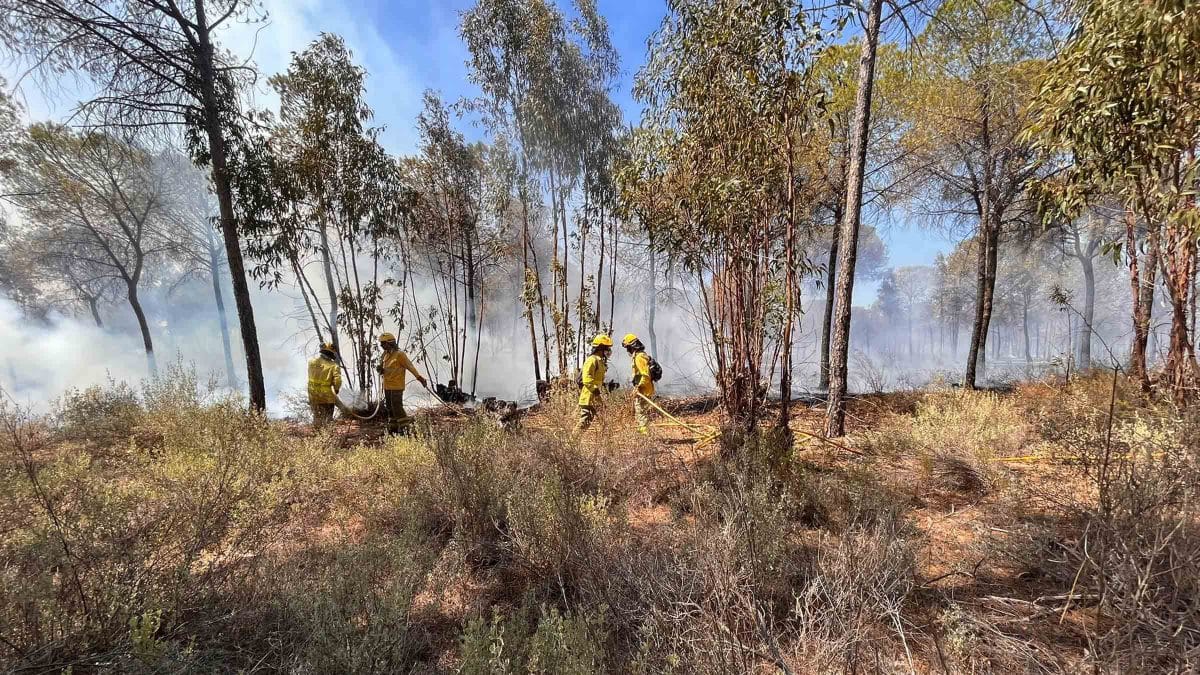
(1181, 357)
(827, 319)
(330, 284)
(1083, 350)
(835, 416)
(1143, 276)
(652, 301)
(221, 184)
(143, 325)
(989, 239)
(529, 276)
(789, 318)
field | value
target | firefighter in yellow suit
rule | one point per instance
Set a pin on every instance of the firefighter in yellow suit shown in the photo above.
(324, 383)
(394, 366)
(594, 370)
(643, 383)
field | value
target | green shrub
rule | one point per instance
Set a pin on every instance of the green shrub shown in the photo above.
(160, 532)
(100, 415)
(346, 608)
(558, 535)
(570, 643)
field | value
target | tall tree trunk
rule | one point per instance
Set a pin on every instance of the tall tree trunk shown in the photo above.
(612, 275)
(220, 174)
(531, 275)
(652, 301)
(1143, 276)
(599, 279)
(1083, 352)
(789, 316)
(214, 265)
(827, 318)
(835, 416)
(330, 284)
(472, 309)
(985, 288)
(1025, 330)
(1181, 358)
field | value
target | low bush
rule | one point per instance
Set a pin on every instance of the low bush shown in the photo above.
(545, 641)
(101, 416)
(113, 550)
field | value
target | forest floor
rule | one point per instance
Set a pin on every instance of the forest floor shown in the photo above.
(949, 531)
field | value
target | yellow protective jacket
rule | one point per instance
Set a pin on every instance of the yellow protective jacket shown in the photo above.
(641, 374)
(594, 370)
(394, 365)
(324, 381)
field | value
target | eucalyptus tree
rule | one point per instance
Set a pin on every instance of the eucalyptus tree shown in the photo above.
(1083, 239)
(545, 83)
(100, 206)
(1121, 100)
(155, 63)
(730, 104)
(452, 231)
(975, 68)
(331, 197)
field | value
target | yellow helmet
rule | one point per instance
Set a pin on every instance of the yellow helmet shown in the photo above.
(387, 337)
(328, 347)
(629, 339)
(602, 340)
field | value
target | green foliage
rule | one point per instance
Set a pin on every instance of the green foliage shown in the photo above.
(100, 415)
(568, 643)
(1119, 99)
(347, 607)
(321, 190)
(116, 552)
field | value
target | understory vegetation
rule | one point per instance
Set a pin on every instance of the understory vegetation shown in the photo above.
(167, 530)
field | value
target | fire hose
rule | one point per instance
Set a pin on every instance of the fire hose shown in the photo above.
(382, 398)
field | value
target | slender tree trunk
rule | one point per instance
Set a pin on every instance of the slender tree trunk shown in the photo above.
(143, 325)
(529, 279)
(473, 320)
(612, 275)
(582, 318)
(652, 301)
(330, 284)
(835, 418)
(827, 318)
(984, 291)
(221, 185)
(214, 265)
(1142, 280)
(1025, 330)
(789, 316)
(1181, 357)
(94, 308)
(1083, 352)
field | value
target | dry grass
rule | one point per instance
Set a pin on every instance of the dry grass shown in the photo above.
(167, 531)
